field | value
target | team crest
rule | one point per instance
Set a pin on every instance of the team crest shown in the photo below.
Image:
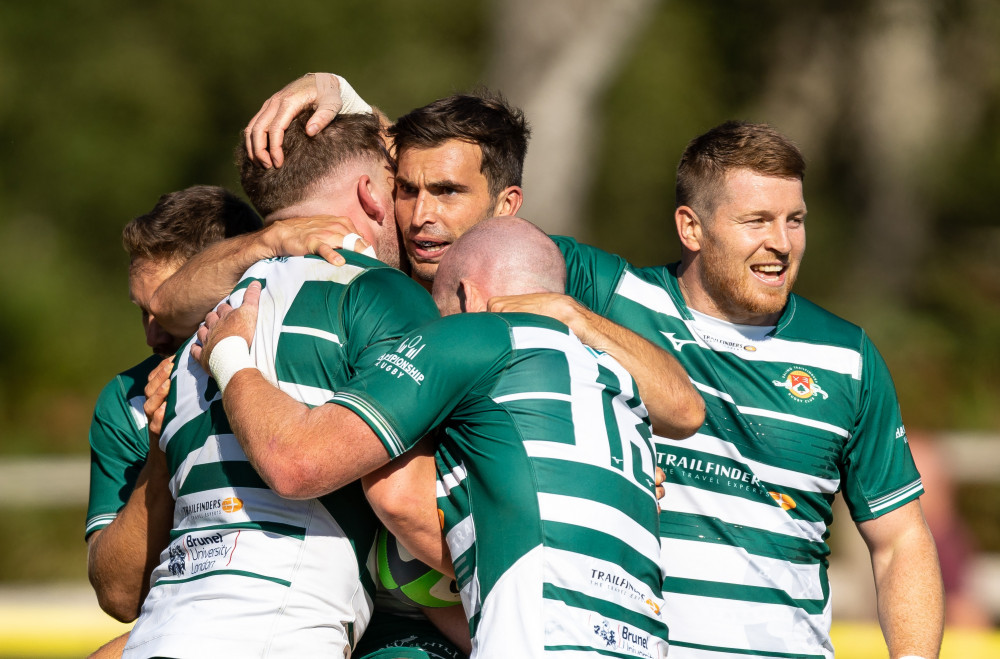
(801, 385)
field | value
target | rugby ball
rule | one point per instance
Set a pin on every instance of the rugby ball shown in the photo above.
(409, 580)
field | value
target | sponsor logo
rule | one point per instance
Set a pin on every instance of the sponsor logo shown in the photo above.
(801, 385)
(398, 363)
(786, 502)
(684, 469)
(176, 562)
(232, 505)
(901, 433)
(623, 638)
(615, 583)
(200, 553)
(653, 606)
(750, 348)
(678, 343)
(411, 347)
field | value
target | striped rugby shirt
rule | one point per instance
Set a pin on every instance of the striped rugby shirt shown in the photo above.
(794, 414)
(118, 443)
(248, 573)
(545, 470)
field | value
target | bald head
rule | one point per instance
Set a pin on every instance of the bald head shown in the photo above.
(499, 256)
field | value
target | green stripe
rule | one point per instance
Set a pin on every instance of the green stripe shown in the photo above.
(238, 573)
(217, 475)
(546, 369)
(756, 653)
(607, 486)
(742, 593)
(686, 526)
(193, 434)
(650, 625)
(309, 361)
(277, 528)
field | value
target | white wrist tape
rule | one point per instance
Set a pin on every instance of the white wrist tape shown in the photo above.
(351, 239)
(351, 102)
(231, 355)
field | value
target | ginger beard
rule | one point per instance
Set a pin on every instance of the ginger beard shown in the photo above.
(733, 284)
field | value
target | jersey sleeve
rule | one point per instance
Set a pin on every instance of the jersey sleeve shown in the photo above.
(416, 383)
(382, 306)
(591, 274)
(878, 472)
(118, 447)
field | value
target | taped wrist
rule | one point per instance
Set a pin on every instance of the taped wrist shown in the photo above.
(231, 355)
(351, 102)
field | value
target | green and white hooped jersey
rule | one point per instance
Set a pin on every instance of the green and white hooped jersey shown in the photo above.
(248, 573)
(545, 470)
(794, 414)
(118, 443)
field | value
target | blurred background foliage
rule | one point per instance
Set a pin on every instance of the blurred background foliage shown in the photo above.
(896, 104)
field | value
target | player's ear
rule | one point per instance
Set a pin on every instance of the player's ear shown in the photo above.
(689, 228)
(470, 297)
(509, 201)
(372, 207)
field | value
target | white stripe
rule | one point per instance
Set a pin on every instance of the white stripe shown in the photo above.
(534, 395)
(373, 418)
(766, 628)
(770, 473)
(704, 561)
(896, 499)
(312, 396)
(737, 510)
(756, 411)
(447, 482)
(138, 414)
(217, 448)
(599, 517)
(311, 331)
(648, 295)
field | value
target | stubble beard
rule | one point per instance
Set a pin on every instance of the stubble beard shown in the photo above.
(728, 283)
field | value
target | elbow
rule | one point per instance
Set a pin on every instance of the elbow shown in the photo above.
(120, 605)
(296, 478)
(685, 421)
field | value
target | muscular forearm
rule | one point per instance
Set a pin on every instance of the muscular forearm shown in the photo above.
(909, 587)
(300, 452)
(676, 409)
(121, 556)
(181, 302)
(404, 496)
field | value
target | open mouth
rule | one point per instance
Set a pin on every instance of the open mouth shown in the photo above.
(429, 250)
(772, 274)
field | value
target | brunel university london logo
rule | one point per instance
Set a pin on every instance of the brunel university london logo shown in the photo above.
(801, 385)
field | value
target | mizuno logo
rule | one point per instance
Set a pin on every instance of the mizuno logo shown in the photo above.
(678, 343)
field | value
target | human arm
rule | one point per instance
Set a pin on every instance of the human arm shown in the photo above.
(300, 452)
(676, 409)
(907, 581)
(327, 93)
(113, 649)
(403, 494)
(182, 301)
(121, 556)
(451, 621)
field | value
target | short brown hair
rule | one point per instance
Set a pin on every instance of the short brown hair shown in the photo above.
(483, 118)
(733, 145)
(349, 137)
(183, 223)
